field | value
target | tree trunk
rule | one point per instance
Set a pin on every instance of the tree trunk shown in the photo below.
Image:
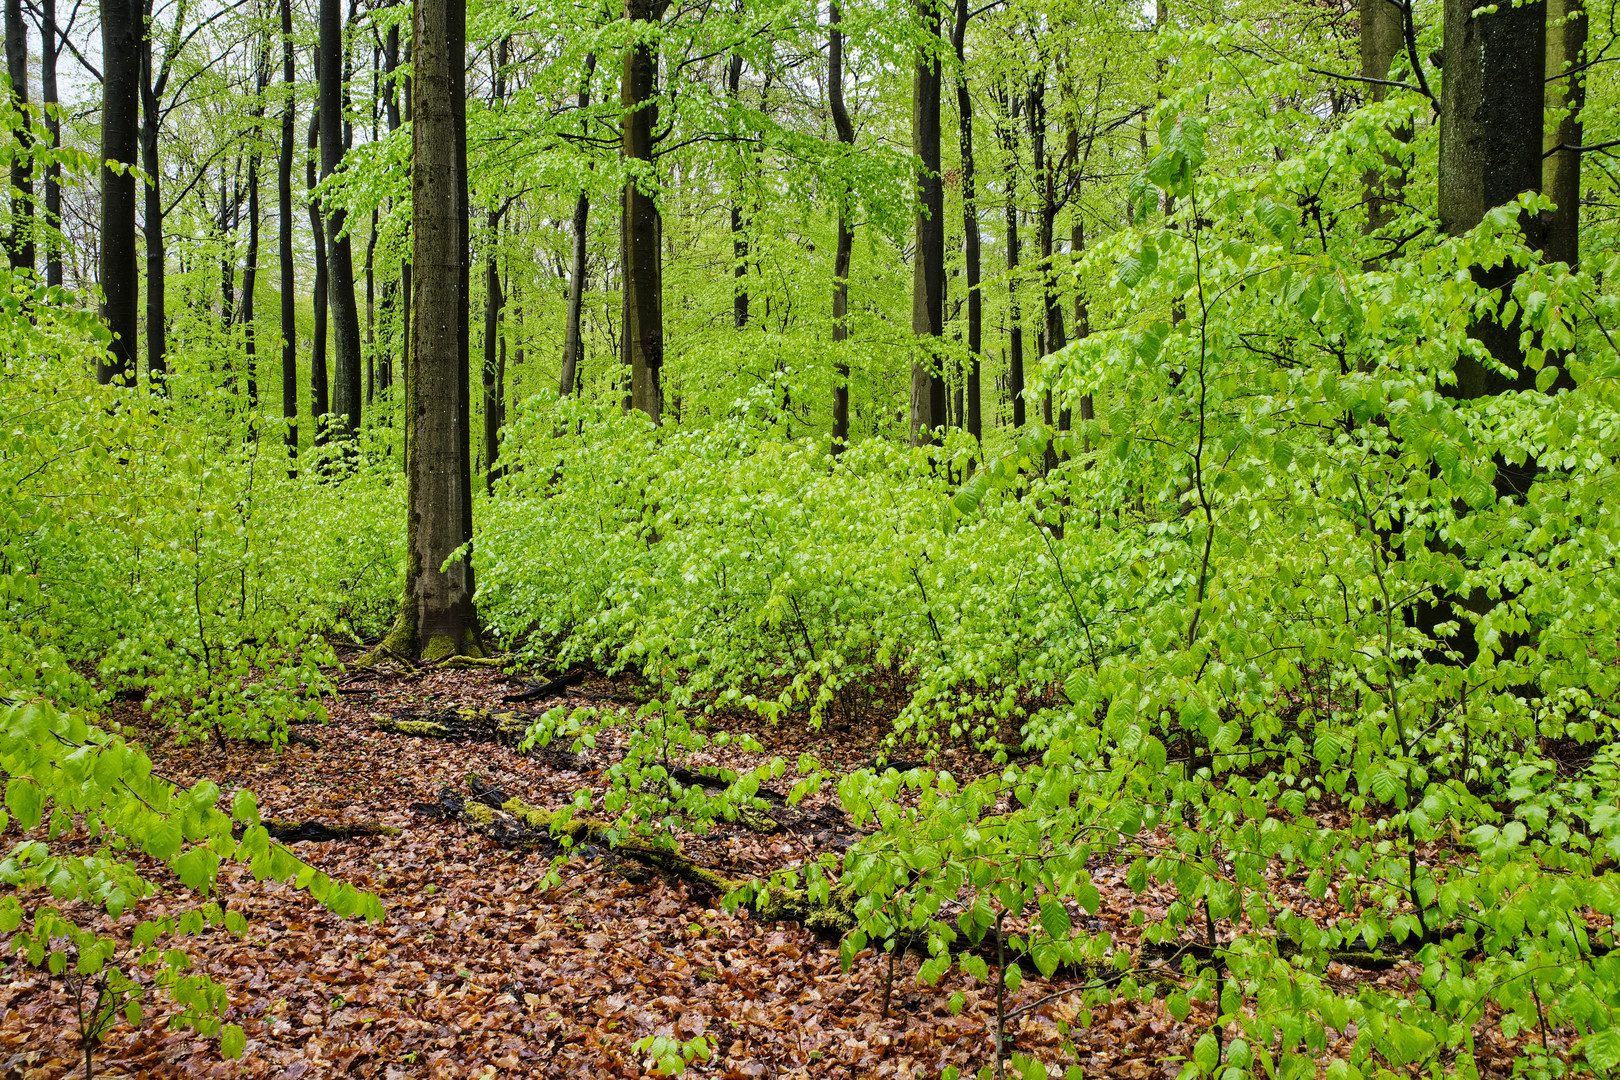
(343, 311)
(157, 345)
(53, 135)
(284, 212)
(928, 263)
(1046, 177)
(493, 301)
(1015, 329)
(739, 233)
(970, 227)
(1490, 152)
(1561, 168)
(846, 232)
(642, 227)
(250, 282)
(320, 404)
(1383, 37)
(438, 617)
(21, 245)
(122, 34)
(573, 343)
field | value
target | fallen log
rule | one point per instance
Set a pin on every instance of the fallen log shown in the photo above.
(538, 691)
(290, 831)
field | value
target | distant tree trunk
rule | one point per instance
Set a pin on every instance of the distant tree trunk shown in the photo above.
(122, 33)
(344, 313)
(284, 245)
(1045, 172)
(573, 342)
(1561, 168)
(928, 264)
(389, 302)
(846, 232)
(970, 227)
(642, 226)
(739, 232)
(1383, 37)
(1015, 329)
(21, 245)
(53, 135)
(493, 301)
(320, 403)
(437, 618)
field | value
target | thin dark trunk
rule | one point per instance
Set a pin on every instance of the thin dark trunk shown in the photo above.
(320, 403)
(344, 313)
(157, 344)
(739, 232)
(122, 32)
(1015, 329)
(21, 244)
(846, 232)
(371, 310)
(928, 264)
(250, 272)
(970, 229)
(493, 301)
(53, 135)
(643, 228)
(284, 244)
(573, 341)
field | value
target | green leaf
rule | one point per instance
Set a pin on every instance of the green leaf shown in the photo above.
(232, 1042)
(26, 800)
(1054, 919)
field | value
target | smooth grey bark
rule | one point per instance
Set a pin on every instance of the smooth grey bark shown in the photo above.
(1561, 167)
(123, 29)
(846, 232)
(342, 308)
(928, 262)
(437, 617)
(642, 226)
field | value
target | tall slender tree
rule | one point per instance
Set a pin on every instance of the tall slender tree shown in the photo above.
(1561, 162)
(21, 244)
(319, 400)
(846, 231)
(342, 307)
(928, 264)
(739, 226)
(49, 52)
(1015, 329)
(284, 238)
(573, 339)
(123, 30)
(970, 225)
(494, 396)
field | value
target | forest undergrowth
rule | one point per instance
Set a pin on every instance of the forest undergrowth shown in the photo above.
(486, 966)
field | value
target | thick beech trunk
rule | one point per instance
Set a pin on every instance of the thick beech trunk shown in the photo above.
(642, 228)
(438, 618)
(284, 244)
(122, 33)
(928, 263)
(846, 232)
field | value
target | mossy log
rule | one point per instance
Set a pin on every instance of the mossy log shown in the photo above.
(515, 823)
(466, 724)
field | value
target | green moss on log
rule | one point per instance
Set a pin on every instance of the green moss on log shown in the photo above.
(424, 729)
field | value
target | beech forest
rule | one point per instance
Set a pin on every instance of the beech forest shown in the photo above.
(771, 539)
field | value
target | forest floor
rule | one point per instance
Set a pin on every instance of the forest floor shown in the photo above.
(479, 970)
